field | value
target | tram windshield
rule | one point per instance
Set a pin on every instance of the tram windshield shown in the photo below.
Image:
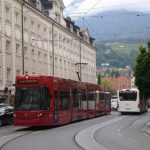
(128, 96)
(32, 98)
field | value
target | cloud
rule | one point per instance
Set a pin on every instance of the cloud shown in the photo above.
(78, 7)
(67, 2)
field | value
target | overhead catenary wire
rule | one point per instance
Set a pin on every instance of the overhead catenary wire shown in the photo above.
(93, 6)
(139, 14)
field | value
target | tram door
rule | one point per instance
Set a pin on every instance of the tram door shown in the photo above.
(55, 107)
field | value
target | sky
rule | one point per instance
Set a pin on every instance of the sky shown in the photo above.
(88, 7)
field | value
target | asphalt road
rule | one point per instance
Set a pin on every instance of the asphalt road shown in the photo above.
(125, 134)
(111, 132)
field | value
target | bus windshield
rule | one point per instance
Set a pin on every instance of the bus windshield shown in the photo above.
(32, 98)
(128, 96)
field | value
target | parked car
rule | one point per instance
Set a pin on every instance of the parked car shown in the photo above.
(114, 103)
(6, 114)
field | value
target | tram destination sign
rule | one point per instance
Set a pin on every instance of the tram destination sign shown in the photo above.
(27, 81)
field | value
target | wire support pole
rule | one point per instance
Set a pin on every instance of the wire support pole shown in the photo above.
(22, 28)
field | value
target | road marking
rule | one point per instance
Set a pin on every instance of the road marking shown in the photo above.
(85, 138)
(136, 122)
(119, 134)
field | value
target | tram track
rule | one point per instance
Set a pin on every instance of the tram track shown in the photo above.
(16, 134)
(12, 137)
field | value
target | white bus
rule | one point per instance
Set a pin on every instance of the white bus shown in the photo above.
(130, 100)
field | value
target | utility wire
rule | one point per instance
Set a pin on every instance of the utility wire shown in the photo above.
(83, 17)
(139, 14)
(92, 29)
(93, 6)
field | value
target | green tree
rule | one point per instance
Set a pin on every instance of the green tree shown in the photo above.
(115, 73)
(108, 85)
(99, 79)
(142, 70)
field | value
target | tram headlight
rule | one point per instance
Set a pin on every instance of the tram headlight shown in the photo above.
(39, 115)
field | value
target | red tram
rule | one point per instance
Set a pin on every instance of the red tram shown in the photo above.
(47, 101)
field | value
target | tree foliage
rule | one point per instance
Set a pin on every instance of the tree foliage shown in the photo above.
(142, 70)
(107, 84)
(115, 58)
(115, 73)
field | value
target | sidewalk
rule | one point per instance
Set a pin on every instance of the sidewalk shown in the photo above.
(146, 128)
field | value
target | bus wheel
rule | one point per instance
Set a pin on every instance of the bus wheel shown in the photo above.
(122, 113)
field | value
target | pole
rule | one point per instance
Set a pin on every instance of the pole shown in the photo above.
(80, 62)
(53, 51)
(22, 28)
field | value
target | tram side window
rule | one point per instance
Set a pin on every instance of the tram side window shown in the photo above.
(101, 96)
(75, 98)
(84, 97)
(44, 98)
(91, 96)
(64, 100)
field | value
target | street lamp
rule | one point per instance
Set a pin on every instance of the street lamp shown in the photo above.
(79, 74)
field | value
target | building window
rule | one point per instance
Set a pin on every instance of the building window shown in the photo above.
(39, 29)
(33, 54)
(32, 26)
(0, 72)
(26, 72)
(25, 51)
(39, 56)
(7, 13)
(57, 17)
(45, 33)
(0, 44)
(8, 46)
(45, 58)
(25, 22)
(17, 48)
(51, 60)
(18, 71)
(17, 18)
(8, 74)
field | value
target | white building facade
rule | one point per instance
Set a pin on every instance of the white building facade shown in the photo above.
(42, 42)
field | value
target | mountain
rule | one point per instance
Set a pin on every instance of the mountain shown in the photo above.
(117, 55)
(118, 25)
(118, 35)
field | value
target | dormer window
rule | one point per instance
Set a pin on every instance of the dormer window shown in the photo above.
(57, 17)
(38, 4)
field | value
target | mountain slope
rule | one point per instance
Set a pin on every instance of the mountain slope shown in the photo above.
(118, 55)
(115, 25)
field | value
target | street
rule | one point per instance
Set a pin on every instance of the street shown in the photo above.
(111, 132)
